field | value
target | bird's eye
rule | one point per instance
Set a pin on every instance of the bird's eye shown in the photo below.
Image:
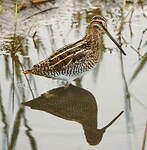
(100, 23)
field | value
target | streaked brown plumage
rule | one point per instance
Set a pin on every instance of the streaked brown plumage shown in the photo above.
(74, 60)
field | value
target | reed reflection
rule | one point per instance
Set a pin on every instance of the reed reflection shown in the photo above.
(75, 104)
(4, 118)
(15, 51)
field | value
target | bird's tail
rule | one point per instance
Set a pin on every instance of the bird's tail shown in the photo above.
(27, 72)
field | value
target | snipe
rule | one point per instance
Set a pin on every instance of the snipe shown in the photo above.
(74, 60)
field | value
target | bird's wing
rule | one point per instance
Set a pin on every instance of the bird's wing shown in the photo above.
(63, 58)
(65, 48)
(70, 60)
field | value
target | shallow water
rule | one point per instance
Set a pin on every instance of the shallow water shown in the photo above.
(25, 128)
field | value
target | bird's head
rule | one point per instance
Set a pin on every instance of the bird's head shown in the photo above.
(98, 23)
(97, 27)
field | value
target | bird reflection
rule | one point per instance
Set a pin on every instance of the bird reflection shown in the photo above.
(73, 103)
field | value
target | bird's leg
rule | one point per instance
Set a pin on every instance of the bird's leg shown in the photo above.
(66, 85)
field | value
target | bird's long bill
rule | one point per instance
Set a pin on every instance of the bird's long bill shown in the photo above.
(110, 36)
(104, 128)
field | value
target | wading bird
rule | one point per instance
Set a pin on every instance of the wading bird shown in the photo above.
(74, 60)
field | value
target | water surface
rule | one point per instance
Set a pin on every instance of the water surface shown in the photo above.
(25, 41)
